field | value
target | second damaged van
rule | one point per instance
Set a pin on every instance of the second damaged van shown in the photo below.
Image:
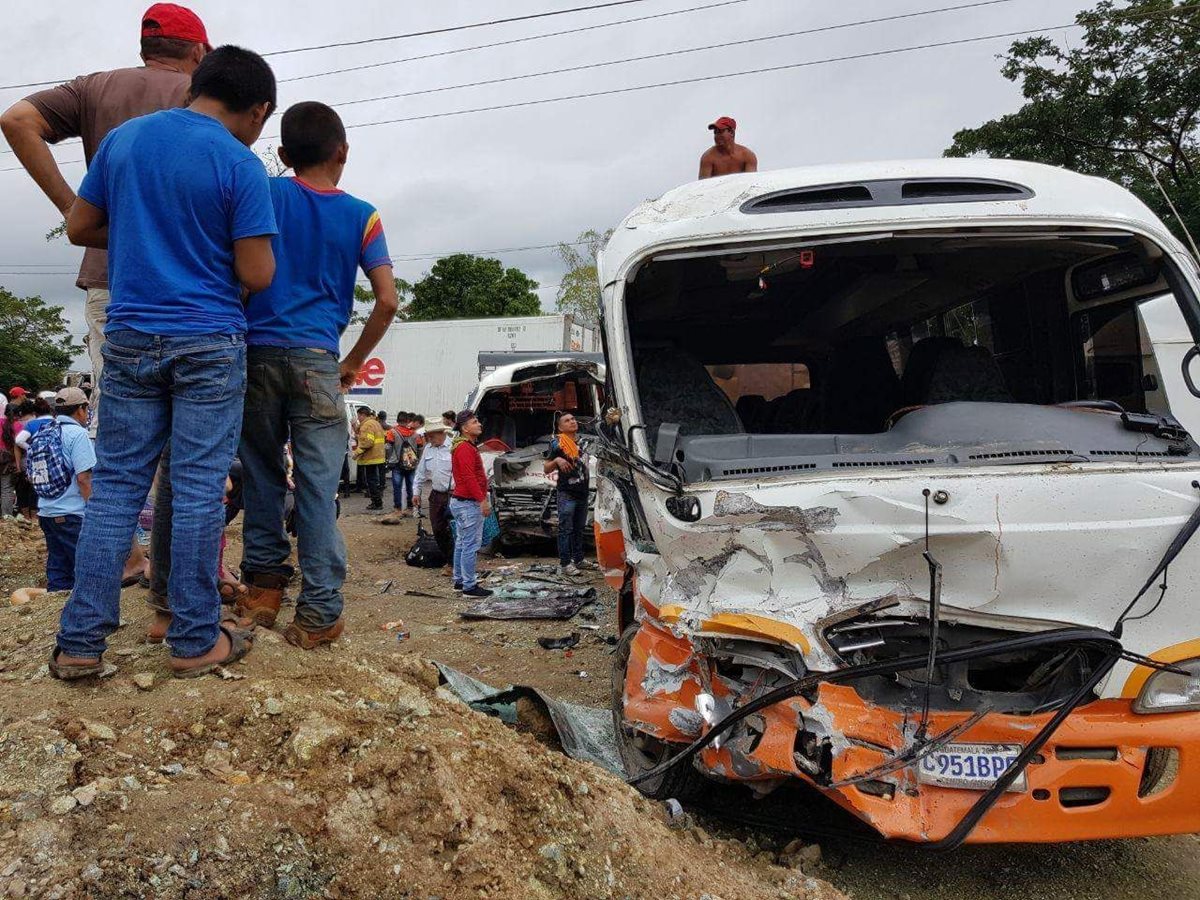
(898, 490)
(518, 403)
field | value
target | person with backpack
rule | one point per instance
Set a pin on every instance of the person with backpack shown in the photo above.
(404, 447)
(58, 463)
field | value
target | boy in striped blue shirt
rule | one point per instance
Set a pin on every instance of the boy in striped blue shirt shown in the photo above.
(295, 379)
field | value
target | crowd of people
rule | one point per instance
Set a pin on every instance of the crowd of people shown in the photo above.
(216, 300)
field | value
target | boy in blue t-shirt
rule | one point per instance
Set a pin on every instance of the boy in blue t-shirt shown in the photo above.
(325, 238)
(184, 208)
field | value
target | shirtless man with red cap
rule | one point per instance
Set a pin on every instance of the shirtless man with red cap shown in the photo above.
(726, 157)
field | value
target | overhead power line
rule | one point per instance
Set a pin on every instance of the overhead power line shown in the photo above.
(608, 92)
(723, 75)
(398, 37)
(723, 45)
(702, 78)
(441, 53)
(44, 268)
(511, 41)
(451, 28)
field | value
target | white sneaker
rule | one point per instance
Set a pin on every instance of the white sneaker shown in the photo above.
(568, 569)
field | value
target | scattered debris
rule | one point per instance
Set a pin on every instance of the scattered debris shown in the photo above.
(559, 643)
(531, 600)
(272, 706)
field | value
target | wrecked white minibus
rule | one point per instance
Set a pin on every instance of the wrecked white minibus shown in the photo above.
(517, 404)
(897, 492)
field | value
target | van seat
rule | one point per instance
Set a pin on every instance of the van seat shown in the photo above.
(675, 387)
(967, 373)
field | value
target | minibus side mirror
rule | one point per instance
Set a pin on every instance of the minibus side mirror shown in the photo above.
(1188, 359)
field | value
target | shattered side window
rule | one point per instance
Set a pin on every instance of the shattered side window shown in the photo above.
(1111, 356)
(971, 323)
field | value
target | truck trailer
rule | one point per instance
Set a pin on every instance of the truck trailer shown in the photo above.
(428, 367)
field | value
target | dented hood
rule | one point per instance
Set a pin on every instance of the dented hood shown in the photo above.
(1020, 547)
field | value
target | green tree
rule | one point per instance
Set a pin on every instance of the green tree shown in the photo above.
(463, 286)
(1121, 103)
(365, 296)
(35, 342)
(579, 290)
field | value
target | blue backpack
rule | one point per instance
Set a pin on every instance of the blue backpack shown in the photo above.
(46, 467)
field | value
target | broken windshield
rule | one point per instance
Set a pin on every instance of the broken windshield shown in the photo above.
(909, 350)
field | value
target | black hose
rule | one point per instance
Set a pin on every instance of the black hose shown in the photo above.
(1102, 639)
(967, 824)
(1083, 636)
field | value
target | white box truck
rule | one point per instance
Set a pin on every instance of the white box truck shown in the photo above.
(428, 367)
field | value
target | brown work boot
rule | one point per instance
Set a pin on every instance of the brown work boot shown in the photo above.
(309, 640)
(263, 598)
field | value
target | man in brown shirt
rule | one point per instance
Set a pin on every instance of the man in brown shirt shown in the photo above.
(726, 157)
(89, 107)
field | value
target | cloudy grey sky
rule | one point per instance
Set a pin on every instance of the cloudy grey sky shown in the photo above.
(543, 173)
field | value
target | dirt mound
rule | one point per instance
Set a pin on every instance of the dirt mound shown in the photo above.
(22, 554)
(338, 774)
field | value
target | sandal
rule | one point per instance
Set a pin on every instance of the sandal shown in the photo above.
(240, 643)
(65, 672)
(156, 633)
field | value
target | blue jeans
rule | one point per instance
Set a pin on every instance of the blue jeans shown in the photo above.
(295, 392)
(402, 479)
(187, 391)
(62, 537)
(468, 527)
(572, 523)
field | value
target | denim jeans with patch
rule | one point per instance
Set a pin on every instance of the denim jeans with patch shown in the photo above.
(295, 392)
(468, 527)
(188, 391)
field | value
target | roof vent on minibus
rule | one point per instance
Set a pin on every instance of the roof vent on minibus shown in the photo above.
(886, 192)
(961, 189)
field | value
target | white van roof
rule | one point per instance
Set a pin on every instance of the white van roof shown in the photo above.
(870, 195)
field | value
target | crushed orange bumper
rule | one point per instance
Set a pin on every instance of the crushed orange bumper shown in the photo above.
(1095, 778)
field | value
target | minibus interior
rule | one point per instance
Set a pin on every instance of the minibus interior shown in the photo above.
(984, 346)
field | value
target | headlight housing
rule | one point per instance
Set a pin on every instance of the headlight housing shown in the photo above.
(1167, 692)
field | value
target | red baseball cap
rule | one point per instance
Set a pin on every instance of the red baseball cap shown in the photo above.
(17, 391)
(723, 122)
(171, 21)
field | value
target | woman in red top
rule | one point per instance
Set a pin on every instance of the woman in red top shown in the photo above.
(468, 503)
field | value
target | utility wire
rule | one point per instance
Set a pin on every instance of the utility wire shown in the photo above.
(511, 41)
(450, 28)
(674, 83)
(395, 37)
(703, 78)
(400, 257)
(681, 52)
(440, 53)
